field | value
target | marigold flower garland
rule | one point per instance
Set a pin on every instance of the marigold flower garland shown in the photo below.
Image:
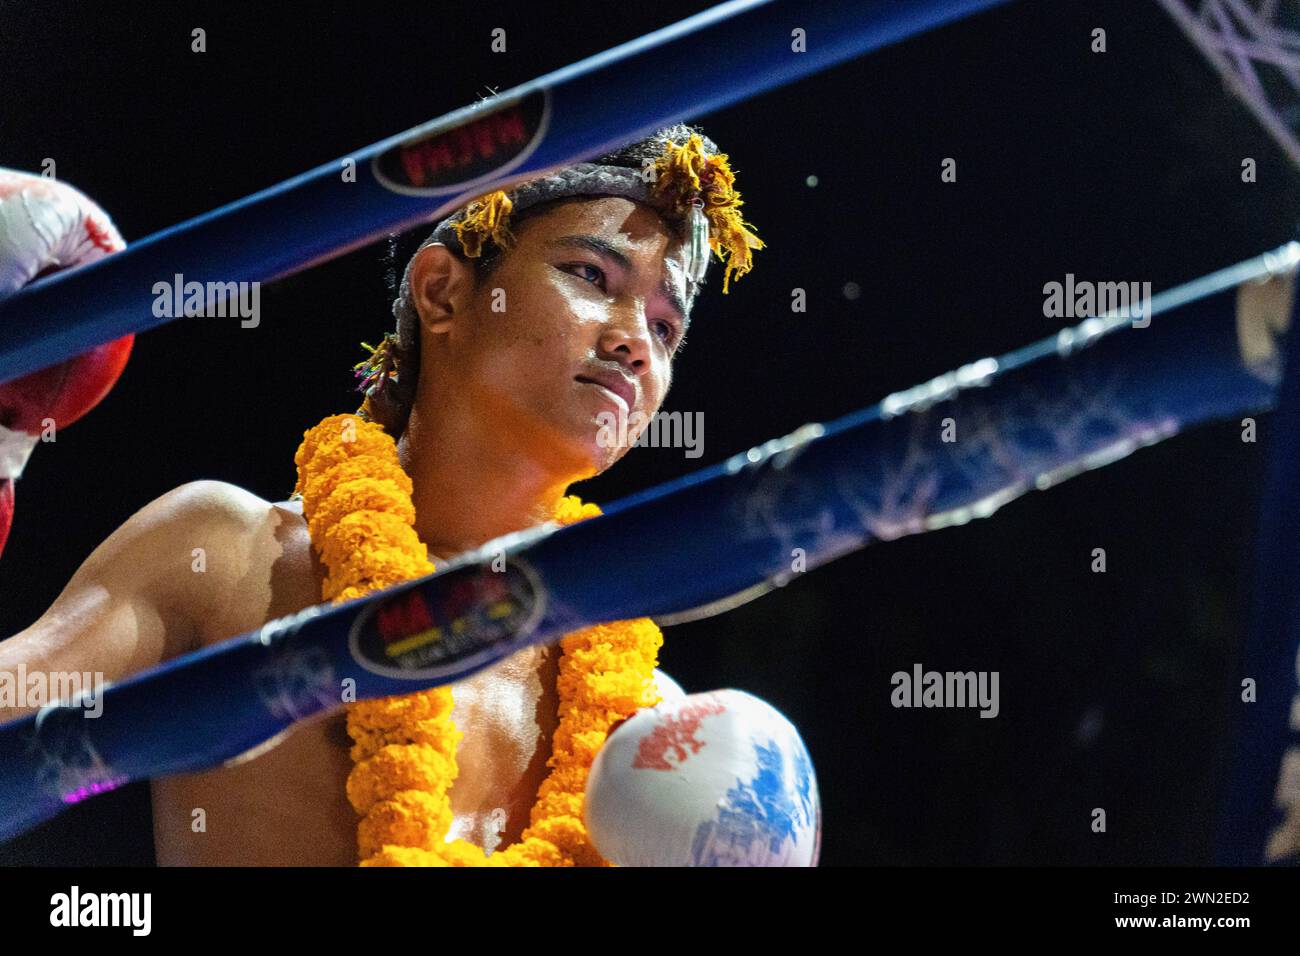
(357, 502)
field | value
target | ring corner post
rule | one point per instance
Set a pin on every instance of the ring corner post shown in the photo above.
(1262, 799)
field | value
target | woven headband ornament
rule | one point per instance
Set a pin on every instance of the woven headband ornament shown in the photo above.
(691, 186)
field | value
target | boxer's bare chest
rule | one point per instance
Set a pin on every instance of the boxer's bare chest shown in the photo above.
(287, 805)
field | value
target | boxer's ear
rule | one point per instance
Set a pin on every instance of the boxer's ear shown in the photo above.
(442, 285)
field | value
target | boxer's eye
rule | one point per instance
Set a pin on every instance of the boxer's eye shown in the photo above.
(593, 274)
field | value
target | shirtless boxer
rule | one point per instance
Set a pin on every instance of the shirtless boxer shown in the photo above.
(503, 418)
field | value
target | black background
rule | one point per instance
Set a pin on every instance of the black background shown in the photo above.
(1116, 689)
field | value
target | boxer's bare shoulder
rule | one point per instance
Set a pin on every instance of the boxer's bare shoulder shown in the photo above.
(258, 553)
(220, 558)
(217, 560)
(201, 563)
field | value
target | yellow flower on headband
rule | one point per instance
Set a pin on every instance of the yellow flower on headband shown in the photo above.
(487, 217)
(684, 173)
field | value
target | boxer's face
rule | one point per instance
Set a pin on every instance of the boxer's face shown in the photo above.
(571, 334)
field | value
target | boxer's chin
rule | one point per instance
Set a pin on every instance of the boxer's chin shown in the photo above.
(615, 435)
(610, 448)
(599, 456)
(574, 450)
(591, 442)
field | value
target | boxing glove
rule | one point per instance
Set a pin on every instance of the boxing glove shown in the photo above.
(716, 779)
(45, 226)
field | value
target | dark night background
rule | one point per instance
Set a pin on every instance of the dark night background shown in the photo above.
(1116, 689)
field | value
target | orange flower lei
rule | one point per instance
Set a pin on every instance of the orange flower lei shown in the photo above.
(357, 502)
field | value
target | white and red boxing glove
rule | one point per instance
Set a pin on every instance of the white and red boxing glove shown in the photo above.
(45, 226)
(716, 779)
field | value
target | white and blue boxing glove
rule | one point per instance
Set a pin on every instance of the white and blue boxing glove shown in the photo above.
(716, 779)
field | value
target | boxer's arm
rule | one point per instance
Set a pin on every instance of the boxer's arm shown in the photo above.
(146, 594)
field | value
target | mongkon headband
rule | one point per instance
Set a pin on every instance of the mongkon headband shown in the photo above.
(690, 183)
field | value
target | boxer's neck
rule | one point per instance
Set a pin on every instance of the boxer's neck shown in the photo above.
(470, 485)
